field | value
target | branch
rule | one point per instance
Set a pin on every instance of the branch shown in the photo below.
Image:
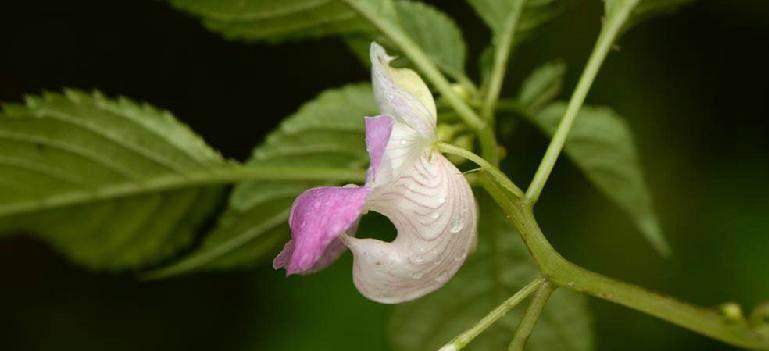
(564, 273)
(502, 47)
(531, 317)
(606, 38)
(463, 339)
(221, 175)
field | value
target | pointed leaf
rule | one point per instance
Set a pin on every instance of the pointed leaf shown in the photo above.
(541, 86)
(106, 181)
(487, 279)
(641, 9)
(497, 12)
(325, 132)
(436, 34)
(277, 20)
(601, 145)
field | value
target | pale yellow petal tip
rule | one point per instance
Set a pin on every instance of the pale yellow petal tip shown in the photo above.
(379, 55)
(401, 93)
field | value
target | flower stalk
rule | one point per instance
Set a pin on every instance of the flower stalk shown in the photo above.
(531, 317)
(609, 33)
(500, 311)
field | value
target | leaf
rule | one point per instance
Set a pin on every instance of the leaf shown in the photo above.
(325, 132)
(650, 8)
(642, 9)
(278, 20)
(601, 145)
(497, 12)
(105, 181)
(432, 30)
(482, 284)
(436, 34)
(541, 86)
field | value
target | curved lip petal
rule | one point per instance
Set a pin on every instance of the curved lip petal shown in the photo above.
(317, 218)
(319, 215)
(433, 209)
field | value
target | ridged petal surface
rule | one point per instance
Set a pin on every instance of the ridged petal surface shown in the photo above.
(432, 207)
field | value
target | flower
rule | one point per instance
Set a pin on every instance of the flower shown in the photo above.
(425, 196)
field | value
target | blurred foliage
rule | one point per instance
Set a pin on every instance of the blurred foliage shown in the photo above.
(75, 170)
(689, 85)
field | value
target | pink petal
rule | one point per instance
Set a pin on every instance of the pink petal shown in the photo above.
(433, 209)
(378, 131)
(318, 217)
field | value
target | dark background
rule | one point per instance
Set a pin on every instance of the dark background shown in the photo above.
(693, 86)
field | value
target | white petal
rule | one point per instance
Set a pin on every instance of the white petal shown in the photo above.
(401, 94)
(432, 207)
(404, 147)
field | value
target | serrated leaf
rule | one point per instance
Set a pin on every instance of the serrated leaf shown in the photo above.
(326, 132)
(541, 86)
(602, 146)
(277, 20)
(483, 283)
(496, 13)
(437, 34)
(102, 180)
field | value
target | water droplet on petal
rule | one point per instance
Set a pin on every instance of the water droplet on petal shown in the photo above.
(435, 215)
(441, 200)
(457, 223)
(418, 259)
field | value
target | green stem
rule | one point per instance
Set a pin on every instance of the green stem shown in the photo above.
(564, 273)
(605, 40)
(503, 44)
(531, 317)
(561, 272)
(500, 311)
(486, 166)
(222, 175)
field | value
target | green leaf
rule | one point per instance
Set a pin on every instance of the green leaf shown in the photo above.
(483, 282)
(277, 20)
(541, 86)
(326, 132)
(602, 146)
(642, 9)
(436, 34)
(496, 13)
(105, 181)
(650, 8)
